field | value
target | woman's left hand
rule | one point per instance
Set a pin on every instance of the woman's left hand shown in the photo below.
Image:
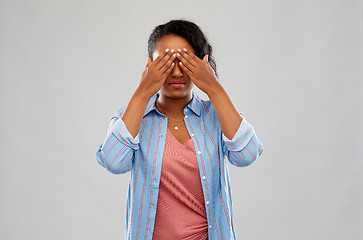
(199, 71)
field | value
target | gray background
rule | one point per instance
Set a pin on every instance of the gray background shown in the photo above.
(294, 68)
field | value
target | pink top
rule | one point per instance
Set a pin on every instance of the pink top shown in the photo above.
(180, 212)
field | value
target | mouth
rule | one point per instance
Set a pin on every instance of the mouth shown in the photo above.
(177, 84)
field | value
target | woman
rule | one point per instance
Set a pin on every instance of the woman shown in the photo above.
(175, 145)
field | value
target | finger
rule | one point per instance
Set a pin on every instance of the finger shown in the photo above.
(188, 58)
(186, 70)
(167, 72)
(191, 55)
(185, 62)
(164, 60)
(168, 63)
(205, 59)
(161, 56)
(148, 62)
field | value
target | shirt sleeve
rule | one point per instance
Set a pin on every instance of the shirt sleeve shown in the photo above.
(116, 152)
(245, 147)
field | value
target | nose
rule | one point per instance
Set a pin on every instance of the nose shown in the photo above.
(176, 72)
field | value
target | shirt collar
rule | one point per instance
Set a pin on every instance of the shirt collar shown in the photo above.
(195, 104)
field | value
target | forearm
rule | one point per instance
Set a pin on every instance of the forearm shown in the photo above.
(229, 117)
(134, 111)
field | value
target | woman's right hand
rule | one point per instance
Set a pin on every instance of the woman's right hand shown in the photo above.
(156, 72)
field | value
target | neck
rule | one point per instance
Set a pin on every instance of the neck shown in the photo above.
(174, 106)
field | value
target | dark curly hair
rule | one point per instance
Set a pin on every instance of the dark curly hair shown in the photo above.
(188, 30)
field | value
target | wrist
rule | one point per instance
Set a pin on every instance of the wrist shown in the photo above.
(214, 89)
(142, 95)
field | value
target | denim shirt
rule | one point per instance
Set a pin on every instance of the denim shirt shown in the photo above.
(142, 156)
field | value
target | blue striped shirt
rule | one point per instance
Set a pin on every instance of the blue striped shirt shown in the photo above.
(142, 156)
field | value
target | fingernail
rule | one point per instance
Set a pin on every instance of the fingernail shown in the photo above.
(174, 55)
(178, 54)
(184, 49)
(167, 50)
(179, 50)
(172, 50)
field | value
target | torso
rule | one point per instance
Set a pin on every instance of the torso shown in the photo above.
(181, 211)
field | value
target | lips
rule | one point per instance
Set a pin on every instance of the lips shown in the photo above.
(177, 82)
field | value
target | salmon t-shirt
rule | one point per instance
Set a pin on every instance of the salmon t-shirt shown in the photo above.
(180, 212)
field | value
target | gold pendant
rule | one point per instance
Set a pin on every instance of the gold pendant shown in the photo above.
(176, 128)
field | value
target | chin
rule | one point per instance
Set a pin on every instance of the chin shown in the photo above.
(176, 93)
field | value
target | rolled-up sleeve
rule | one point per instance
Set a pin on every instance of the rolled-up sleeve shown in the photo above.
(245, 147)
(116, 152)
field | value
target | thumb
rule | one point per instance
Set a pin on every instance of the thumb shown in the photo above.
(148, 62)
(205, 59)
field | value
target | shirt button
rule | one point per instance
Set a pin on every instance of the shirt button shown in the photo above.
(193, 135)
(186, 116)
(210, 226)
(206, 203)
(199, 152)
(203, 177)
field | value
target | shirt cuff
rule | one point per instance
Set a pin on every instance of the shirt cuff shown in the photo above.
(120, 131)
(241, 138)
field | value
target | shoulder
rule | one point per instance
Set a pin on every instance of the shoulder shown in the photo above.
(208, 113)
(202, 106)
(207, 107)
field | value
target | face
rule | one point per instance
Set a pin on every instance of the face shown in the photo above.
(176, 74)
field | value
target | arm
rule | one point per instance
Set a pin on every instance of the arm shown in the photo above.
(240, 143)
(228, 116)
(245, 147)
(203, 76)
(117, 150)
(153, 77)
(134, 111)
(116, 153)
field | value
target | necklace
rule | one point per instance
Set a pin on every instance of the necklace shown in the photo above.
(175, 126)
(164, 112)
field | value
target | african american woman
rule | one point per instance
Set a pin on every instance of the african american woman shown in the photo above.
(176, 145)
